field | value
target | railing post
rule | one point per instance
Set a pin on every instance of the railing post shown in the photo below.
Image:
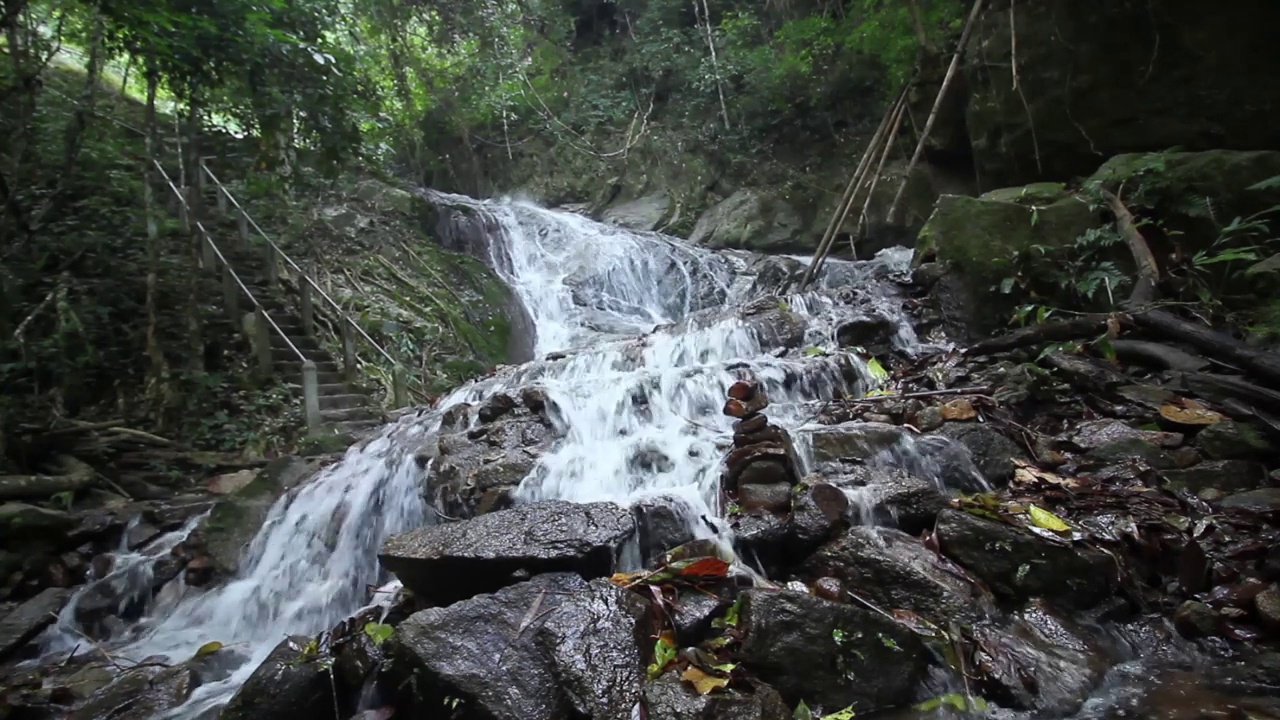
(230, 293)
(242, 225)
(308, 310)
(348, 350)
(222, 200)
(263, 341)
(311, 396)
(206, 248)
(399, 387)
(273, 264)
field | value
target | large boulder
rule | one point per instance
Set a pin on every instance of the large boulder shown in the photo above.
(1097, 79)
(456, 560)
(292, 683)
(829, 654)
(752, 220)
(854, 442)
(20, 625)
(980, 238)
(554, 647)
(896, 571)
(648, 212)
(1017, 564)
(992, 452)
(148, 690)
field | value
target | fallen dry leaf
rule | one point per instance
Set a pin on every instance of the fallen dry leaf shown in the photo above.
(1192, 414)
(958, 409)
(702, 682)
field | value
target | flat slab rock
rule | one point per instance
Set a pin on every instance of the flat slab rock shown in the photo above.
(27, 620)
(446, 563)
(551, 648)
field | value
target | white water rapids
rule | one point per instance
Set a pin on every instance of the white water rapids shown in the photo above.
(652, 345)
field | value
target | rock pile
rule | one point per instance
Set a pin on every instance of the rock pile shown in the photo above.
(762, 469)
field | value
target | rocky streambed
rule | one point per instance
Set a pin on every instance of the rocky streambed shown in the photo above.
(788, 507)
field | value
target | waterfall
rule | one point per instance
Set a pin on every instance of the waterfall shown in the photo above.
(651, 337)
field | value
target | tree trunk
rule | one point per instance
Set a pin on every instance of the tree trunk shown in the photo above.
(195, 338)
(158, 374)
(80, 118)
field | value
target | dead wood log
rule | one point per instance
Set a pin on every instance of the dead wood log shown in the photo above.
(1074, 329)
(76, 475)
(1159, 355)
(1262, 365)
(1227, 389)
(1144, 288)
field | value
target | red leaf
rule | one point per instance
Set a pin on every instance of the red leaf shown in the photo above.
(705, 567)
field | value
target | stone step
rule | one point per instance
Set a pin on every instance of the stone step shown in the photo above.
(292, 367)
(337, 388)
(358, 427)
(354, 413)
(307, 345)
(328, 377)
(343, 401)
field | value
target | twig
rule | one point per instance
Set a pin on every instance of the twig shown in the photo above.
(980, 390)
(1144, 289)
(144, 436)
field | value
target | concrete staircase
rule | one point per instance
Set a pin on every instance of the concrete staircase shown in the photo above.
(344, 408)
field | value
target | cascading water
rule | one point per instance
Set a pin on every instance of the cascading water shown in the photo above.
(651, 341)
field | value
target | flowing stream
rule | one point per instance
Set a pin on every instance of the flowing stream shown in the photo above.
(648, 333)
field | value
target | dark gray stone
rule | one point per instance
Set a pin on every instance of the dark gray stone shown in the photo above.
(669, 698)
(992, 452)
(854, 442)
(453, 561)
(547, 649)
(26, 621)
(291, 684)
(1018, 564)
(829, 654)
(1261, 500)
(1224, 475)
(1230, 440)
(660, 526)
(141, 692)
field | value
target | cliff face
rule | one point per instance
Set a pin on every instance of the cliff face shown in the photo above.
(1095, 79)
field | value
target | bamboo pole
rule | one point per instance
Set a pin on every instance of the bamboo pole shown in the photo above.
(875, 179)
(937, 105)
(824, 245)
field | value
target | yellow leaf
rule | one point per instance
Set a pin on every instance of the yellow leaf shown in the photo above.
(1047, 520)
(1192, 414)
(877, 371)
(703, 682)
(1027, 474)
(623, 579)
(209, 648)
(958, 409)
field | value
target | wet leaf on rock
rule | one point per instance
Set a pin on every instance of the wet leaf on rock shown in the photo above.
(845, 714)
(208, 648)
(1047, 520)
(702, 682)
(664, 651)
(958, 409)
(877, 371)
(1190, 413)
(959, 701)
(730, 618)
(378, 632)
(1026, 475)
(802, 712)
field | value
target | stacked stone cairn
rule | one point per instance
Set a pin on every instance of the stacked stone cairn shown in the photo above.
(761, 471)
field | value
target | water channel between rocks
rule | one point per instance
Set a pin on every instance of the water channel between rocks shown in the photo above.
(645, 334)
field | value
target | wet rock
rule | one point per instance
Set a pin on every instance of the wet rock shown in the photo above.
(1194, 619)
(946, 461)
(929, 419)
(829, 654)
(25, 622)
(765, 539)
(237, 517)
(86, 681)
(456, 418)
(872, 333)
(1039, 661)
(1262, 500)
(535, 399)
(992, 452)
(660, 526)
(772, 498)
(142, 692)
(818, 512)
(1131, 450)
(291, 684)
(752, 220)
(1099, 433)
(470, 463)
(480, 555)
(1223, 475)
(693, 614)
(495, 407)
(894, 570)
(774, 324)
(28, 523)
(643, 213)
(1235, 440)
(1017, 564)
(577, 655)
(232, 482)
(895, 498)
(1267, 605)
(669, 698)
(854, 442)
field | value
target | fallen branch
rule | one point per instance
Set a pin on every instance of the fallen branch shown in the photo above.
(982, 390)
(1263, 365)
(1062, 331)
(1144, 288)
(42, 487)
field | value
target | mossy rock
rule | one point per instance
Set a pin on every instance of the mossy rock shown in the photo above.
(1033, 195)
(1193, 194)
(980, 238)
(751, 220)
(236, 519)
